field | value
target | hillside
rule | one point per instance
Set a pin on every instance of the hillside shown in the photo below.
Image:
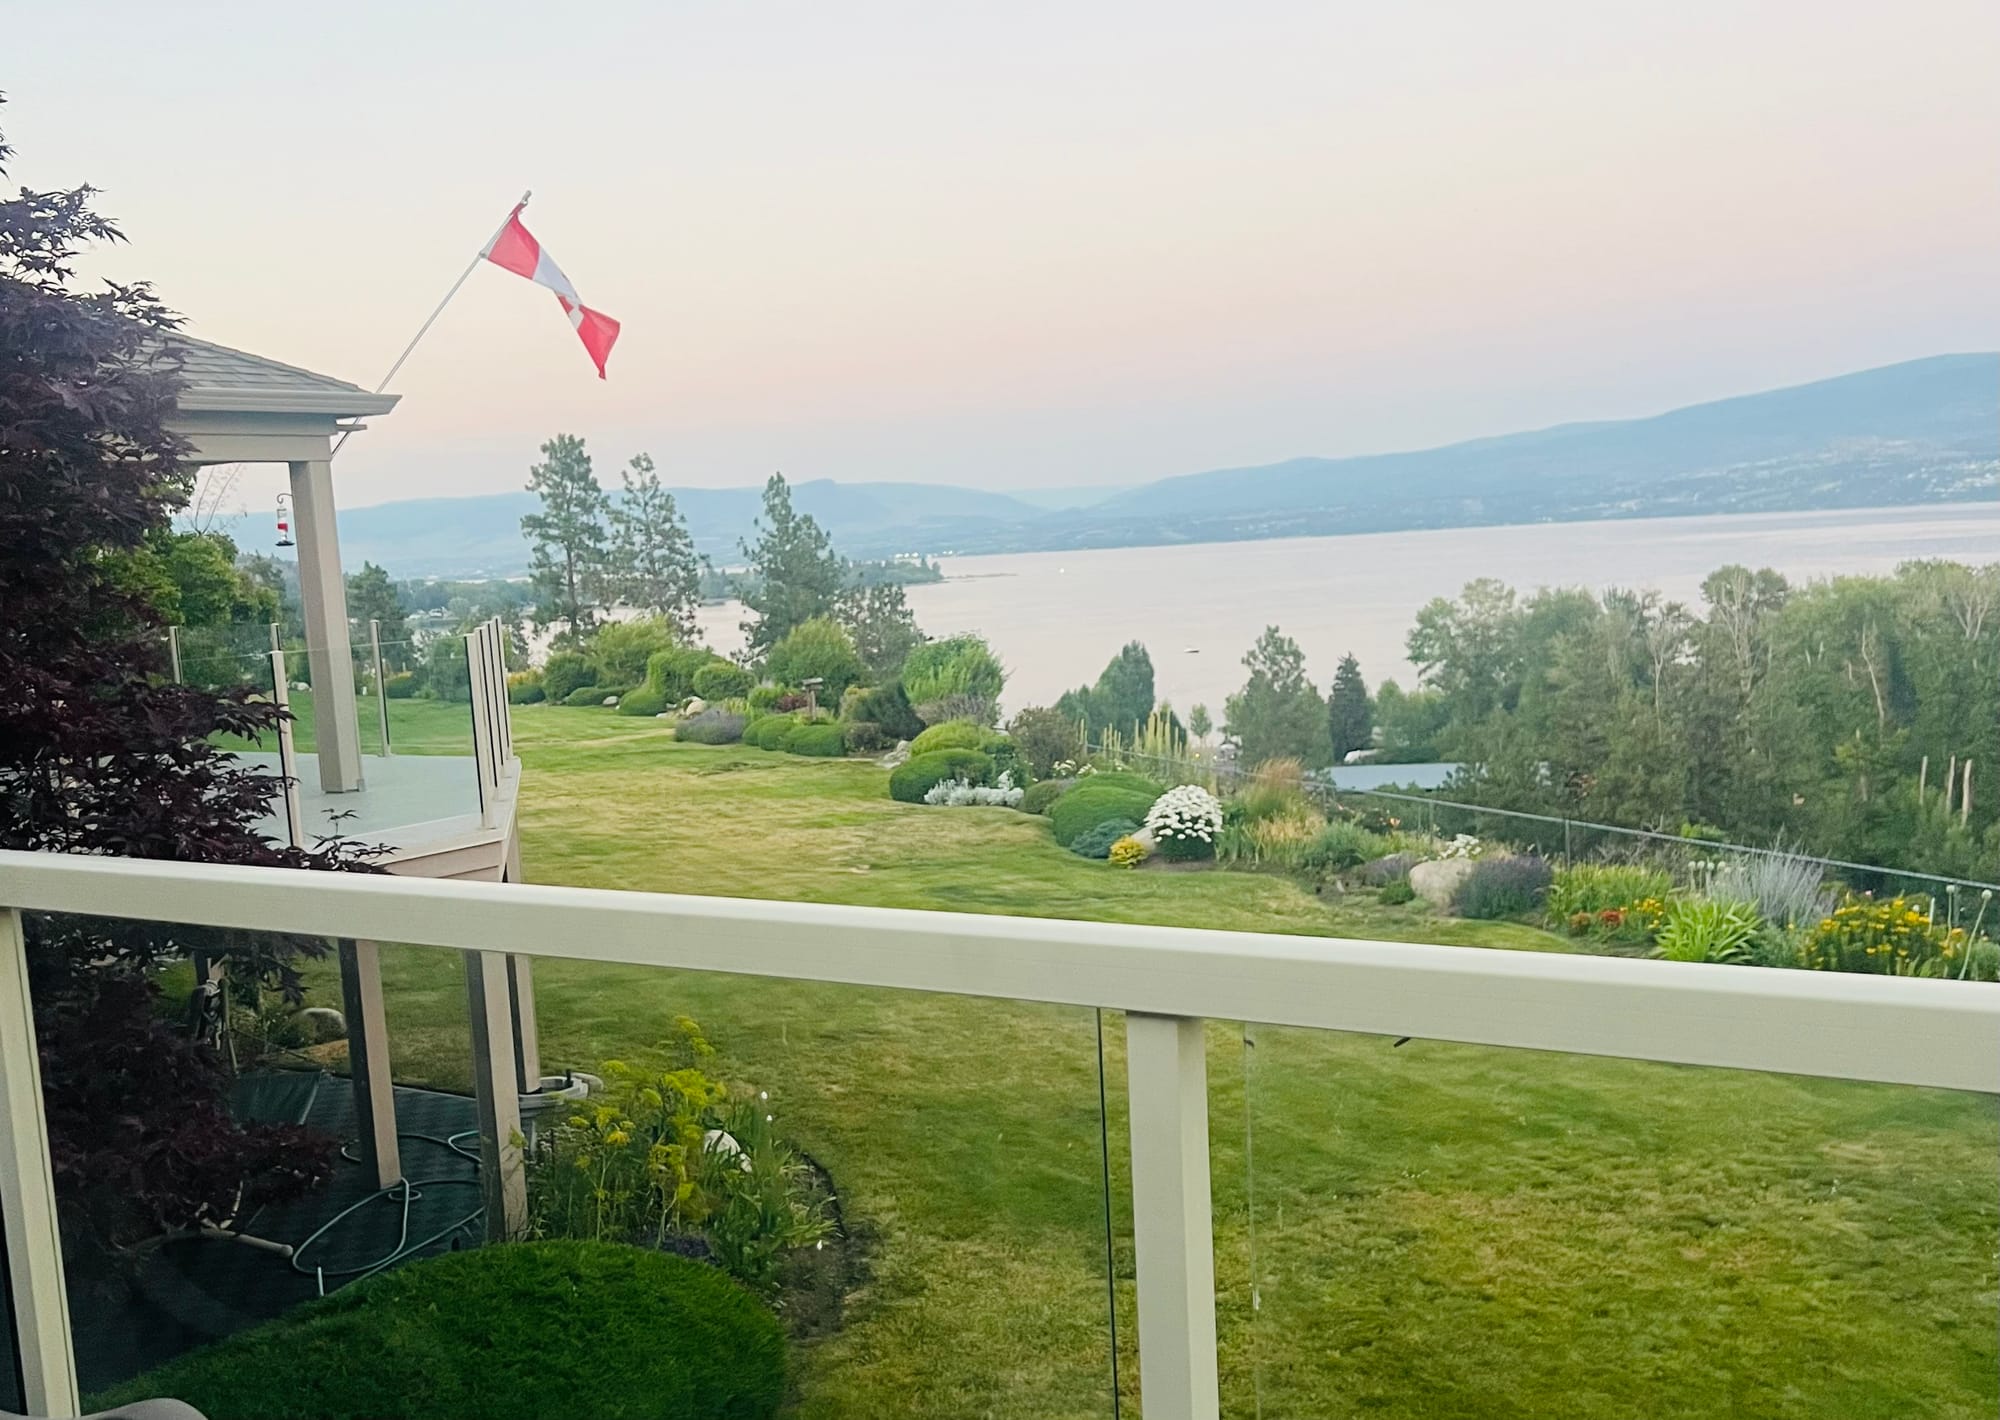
(1919, 432)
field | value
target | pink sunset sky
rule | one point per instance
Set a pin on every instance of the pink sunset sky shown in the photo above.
(1031, 245)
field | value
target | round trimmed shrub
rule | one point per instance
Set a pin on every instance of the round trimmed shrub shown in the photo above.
(565, 673)
(508, 1329)
(817, 741)
(400, 686)
(642, 700)
(711, 727)
(1039, 796)
(887, 706)
(763, 697)
(1095, 842)
(585, 695)
(768, 731)
(952, 734)
(916, 777)
(1097, 798)
(722, 680)
(525, 688)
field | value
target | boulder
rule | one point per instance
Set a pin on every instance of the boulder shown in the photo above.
(610, 700)
(321, 1024)
(1144, 837)
(1438, 879)
(694, 706)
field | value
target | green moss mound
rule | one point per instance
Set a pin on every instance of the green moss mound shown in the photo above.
(1099, 798)
(544, 1328)
(912, 780)
(645, 700)
(952, 734)
(821, 741)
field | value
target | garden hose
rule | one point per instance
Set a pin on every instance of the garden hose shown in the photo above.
(405, 1191)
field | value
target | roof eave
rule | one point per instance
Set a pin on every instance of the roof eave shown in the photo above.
(213, 398)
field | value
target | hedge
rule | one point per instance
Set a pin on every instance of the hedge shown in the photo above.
(818, 741)
(952, 734)
(915, 778)
(565, 673)
(864, 737)
(525, 692)
(1097, 798)
(722, 680)
(594, 694)
(401, 686)
(769, 731)
(535, 1328)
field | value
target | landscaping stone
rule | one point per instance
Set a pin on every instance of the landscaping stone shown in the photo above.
(1438, 879)
(321, 1024)
(1145, 837)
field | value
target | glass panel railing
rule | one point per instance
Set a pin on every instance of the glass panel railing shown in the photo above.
(1415, 1228)
(864, 1202)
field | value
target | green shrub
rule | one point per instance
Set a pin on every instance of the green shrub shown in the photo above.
(642, 700)
(864, 737)
(1397, 892)
(1040, 795)
(887, 706)
(722, 680)
(818, 648)
(1502, 887)
(1277, 790)
(594, 694)
(566, 673)
(818, 741)
(763, 697)
(400, 686)
(1342, 845)
(508, 1329)
(525, 688)
(1097, 798)
(1701, 929)
(1044, 738)
(958, 678)
(673, 670)
(1096, 841)
(622, 651)
(711, 727)
(769, 731)
(910, 781)
(1598, 887)
(952, 734)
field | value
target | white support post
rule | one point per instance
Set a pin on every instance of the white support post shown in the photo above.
(174, 652)
(1167, 1084)
(323, 593)
(28, 1197)
(521, 989)
(368, 1060)
(502, 1178)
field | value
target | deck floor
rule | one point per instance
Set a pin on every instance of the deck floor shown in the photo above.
(192, 1292)
(406, 799)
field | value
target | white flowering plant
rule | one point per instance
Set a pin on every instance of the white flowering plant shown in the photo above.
(1462, 845)
(1184, 822)
(959, 794)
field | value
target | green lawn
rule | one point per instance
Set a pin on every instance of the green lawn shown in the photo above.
(1440, 1231)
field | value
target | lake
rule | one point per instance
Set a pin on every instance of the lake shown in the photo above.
(1056, 617)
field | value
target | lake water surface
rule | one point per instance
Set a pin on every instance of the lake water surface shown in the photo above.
(1056, 617)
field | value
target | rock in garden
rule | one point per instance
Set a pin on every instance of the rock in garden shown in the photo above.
(1437, 880)
(321, 1024)
(695, 705)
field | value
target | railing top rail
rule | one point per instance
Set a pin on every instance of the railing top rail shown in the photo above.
(1905, 1031)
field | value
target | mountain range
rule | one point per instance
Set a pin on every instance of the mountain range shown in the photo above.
(1922, 431)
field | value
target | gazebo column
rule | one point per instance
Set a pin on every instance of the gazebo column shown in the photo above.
(336, 722)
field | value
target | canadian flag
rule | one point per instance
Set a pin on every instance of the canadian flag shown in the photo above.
(515, 248)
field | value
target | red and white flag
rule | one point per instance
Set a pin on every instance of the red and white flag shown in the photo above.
(516, 249)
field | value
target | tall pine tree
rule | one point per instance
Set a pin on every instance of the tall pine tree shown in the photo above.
(1350, 718)
(653, 567)
(795, 575)
(568, 536)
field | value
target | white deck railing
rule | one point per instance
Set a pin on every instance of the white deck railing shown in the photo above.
(1167, 980)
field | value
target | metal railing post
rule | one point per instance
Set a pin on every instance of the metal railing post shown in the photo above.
(288, 760)
(381, 683)
(174, 652)
(34, 1274)
(1172, 1230)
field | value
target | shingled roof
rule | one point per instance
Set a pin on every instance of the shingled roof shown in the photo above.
(219, 378)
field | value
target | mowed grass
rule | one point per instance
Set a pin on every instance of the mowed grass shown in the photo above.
(1439, 1231)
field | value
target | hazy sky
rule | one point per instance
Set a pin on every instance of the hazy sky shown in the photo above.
(1033, 244)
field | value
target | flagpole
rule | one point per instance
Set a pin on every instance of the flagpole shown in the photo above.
(431, 320)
